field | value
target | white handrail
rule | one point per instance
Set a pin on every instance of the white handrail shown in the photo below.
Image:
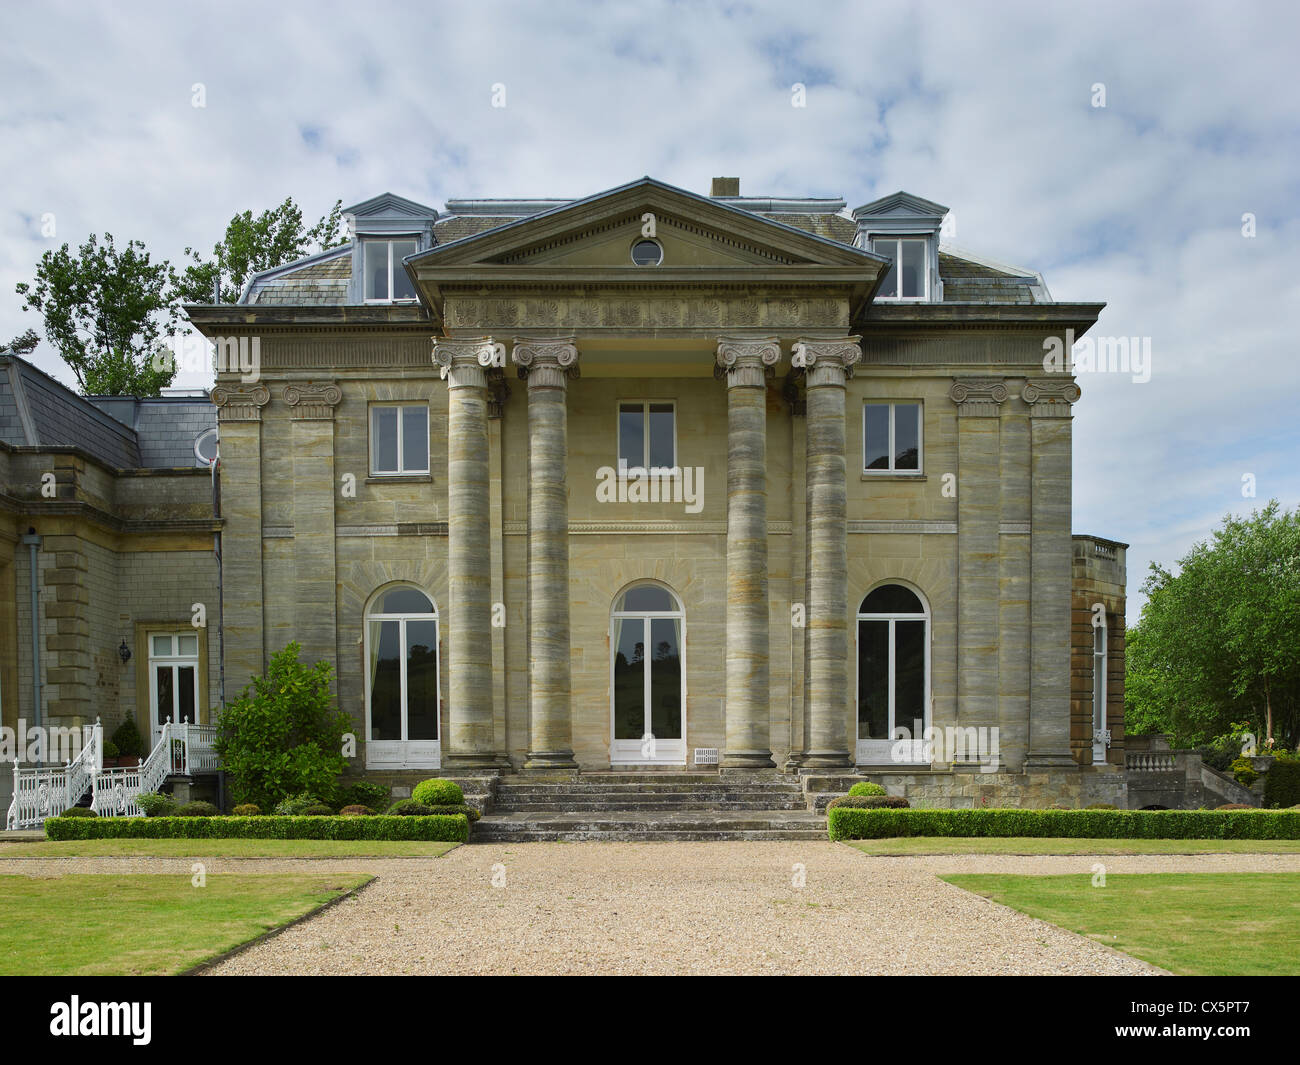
(46, 791)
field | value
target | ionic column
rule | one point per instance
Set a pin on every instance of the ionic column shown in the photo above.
(547, 366)
(828, 365)
(745, 363)
(471, 731)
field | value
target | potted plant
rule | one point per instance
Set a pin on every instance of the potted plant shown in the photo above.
(126, 738)
(111, 755)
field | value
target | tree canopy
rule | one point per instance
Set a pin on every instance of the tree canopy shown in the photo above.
(1217, 642)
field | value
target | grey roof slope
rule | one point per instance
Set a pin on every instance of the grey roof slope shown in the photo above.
(165, 426)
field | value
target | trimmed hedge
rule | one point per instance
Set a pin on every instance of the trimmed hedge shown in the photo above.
(845, 823)
(868, 802)
(1282, 784)
(449, 828)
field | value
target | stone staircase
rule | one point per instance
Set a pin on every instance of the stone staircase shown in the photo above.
(649, 807)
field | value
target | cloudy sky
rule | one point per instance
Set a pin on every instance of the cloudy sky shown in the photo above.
(986, 107)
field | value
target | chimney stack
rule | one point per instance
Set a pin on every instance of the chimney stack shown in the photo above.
(726, 186)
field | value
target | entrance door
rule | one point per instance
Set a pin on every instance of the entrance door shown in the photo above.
(402, 692)
(893, 677)
(647, 679)
(173, 679)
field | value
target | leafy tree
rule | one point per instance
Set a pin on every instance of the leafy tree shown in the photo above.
(273, 238)
(283, 735)
(22, 344)
(1216, 643)
(106, 311)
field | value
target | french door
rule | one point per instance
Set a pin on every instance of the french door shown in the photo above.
(646, 678)
(173, 679)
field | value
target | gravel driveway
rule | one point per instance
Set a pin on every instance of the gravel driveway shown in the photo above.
(674, 908)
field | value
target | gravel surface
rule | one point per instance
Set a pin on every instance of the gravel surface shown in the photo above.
(600, 908)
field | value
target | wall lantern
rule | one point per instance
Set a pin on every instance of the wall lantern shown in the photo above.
(124, 653)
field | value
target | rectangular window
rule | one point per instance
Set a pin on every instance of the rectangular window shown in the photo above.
(891, 438)
(647, 435)
(908, 278)
(399, 439)
(381, 265)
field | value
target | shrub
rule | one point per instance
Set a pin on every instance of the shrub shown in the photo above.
(247, 809)
(1243, 770)
(318, 810)
(126, 737)
(1074, 824)
(197, 809)
(110, 749)
(1102, 806)
(365, 793)
(1234, 806)
(1282, 784)
(866, 787)
(296, 805)
(355, 811)
(438, 792)
(454, 829)
(869, 802)
(78, 811)
(408, 808)
(155, 804)
(457, 808)
(283, 735)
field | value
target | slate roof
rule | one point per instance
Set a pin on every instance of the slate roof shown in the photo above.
(322, 279)
(122, 431)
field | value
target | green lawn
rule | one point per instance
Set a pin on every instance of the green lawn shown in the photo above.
(1193, 924)
(1036, 845)
(152, 924)
(227, 848)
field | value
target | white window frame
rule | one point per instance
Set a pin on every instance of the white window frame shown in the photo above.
(400, 405)
(404, 753)
(667, 751)
(893, 452)
(1100, 663)
(365, 274)
(897, 256)
(175, 661)
(878, 751)
(646, 404)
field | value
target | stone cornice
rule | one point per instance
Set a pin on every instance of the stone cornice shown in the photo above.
(978, 397)
(826, 360)
(236, 404)
(747, 362)
(312, 402)
(545, 362)
(1050, 397)
(463, 363)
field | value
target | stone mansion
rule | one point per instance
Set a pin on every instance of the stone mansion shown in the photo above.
(645, 479)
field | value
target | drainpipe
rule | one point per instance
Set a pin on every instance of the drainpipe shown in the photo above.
(221, 598)
(33, 543)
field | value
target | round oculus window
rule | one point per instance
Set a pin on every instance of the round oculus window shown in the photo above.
(647, 253)
(205, 447)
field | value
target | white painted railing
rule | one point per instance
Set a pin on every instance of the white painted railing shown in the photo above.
(46, 791)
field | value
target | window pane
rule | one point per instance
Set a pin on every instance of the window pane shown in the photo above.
(661, 435)
(907, 436)
(888, 287)
(415, 439)
(665, 680)
(421, 680)
(402, 287)
(383, 442)
(891, 599)
(631, 435)
(912, 268)
(405, 601)
(873, 680)
(164, 705)
(875, 435)
(385, 681)
(909, 675)
(375, 267)
(647, 597)
(629, 679)
(188, 645)
(162, 646)
(185, 693)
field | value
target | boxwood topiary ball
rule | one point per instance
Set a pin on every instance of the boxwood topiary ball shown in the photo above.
(866, 787)
(438, 792)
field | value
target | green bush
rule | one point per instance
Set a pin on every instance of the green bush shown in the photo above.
(868, 802)
(126, 737)
(408, 808)
(198, 808)
(247, 809)
(78, 811)
(438, 792)
(110, 749)
(364, 793)
(866, 787)
(156, 804)
(283, 735)
(454, 829)
(296, 805)
(1072, 824)
(1101, 806)
(356, 810)
(318, 810)
(1282, 784)
(457, 808)
(1243, 771)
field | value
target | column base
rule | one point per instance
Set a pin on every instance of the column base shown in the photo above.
(476, 760)
(826, 760)
(543, 760)
(747, 760)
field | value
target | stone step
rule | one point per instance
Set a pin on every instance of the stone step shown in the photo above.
(677, 825)
(649, 803)
(550, 835)
(757, 790)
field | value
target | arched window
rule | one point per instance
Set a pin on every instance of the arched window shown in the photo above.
(1100, 733)
(893, 674)
(401, 646)
(647, 678)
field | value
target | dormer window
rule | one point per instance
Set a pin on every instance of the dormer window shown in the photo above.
(908, 278)
(385, 278)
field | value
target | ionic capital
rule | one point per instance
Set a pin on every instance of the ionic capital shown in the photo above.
(978, 397)
(235, 404)
(312, 402)
(1050, 397)
(826, 361)
(545, 362)
(462, 362)
(747, 361)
